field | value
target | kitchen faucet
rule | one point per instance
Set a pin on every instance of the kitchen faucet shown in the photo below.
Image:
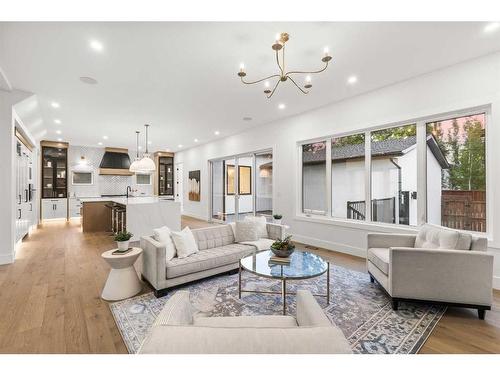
(128, 189)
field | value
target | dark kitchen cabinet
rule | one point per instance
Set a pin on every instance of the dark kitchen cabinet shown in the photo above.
(54, 171)
(165, 175)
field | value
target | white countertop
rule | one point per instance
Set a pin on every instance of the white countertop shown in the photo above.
(127, 201)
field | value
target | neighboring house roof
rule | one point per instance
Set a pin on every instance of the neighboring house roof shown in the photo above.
(388, 148)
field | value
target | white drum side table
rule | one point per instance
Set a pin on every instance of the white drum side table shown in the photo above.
(122, 281)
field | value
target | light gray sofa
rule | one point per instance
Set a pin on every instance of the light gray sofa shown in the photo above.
(176, 331)
(218, 254)
(438, 265)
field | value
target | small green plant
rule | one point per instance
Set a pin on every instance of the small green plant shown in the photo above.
(123, 236)
(285, 244)
(277, 216)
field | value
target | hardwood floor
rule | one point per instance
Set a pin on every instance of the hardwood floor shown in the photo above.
(50, 299)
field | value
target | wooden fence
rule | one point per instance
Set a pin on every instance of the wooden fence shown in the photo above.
(464, 209)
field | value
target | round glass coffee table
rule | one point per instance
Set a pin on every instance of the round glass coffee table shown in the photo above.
(303, 265)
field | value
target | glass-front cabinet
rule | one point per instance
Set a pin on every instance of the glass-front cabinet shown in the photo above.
(54, 172)
(165, 175)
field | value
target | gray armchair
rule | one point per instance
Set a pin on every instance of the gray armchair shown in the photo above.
(436, 265)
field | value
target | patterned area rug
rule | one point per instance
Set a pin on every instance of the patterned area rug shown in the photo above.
(359, 308)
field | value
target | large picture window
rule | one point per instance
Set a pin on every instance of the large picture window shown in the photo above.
(314, 178)
(456, 179)
(394, 175)
(348, 177)
(444, 159)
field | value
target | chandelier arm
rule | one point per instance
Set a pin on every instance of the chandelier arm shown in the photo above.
(260, 80)
(300, 88)
(279, 65)
(274, 89)
(300, 72)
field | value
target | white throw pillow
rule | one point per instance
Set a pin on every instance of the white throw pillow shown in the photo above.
(162, 235)
(261, 223)
(185, 243)
(246, 231)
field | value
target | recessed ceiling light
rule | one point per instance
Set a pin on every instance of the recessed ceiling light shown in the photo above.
(59, 139)
(489, 28)
(180, 146)
(150, 142)
(88, 80)
(247, 118)
(196, 140)
(96, 45)
(100, 143)
(55, 105)
(57, 121)
(58, 132)
(216, 132)
(167, 149)
(104, 137)
(281, 106)
(352, 79)
(139, 147)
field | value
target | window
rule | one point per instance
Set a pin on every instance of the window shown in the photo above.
(348, 177)
(314, 178)
(394, 175)
(143, 179)
(244, 178)
(456, 173)
(82, 178)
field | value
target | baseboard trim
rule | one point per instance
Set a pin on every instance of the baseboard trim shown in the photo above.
(496, 282)
(7, 259)
(334, 246)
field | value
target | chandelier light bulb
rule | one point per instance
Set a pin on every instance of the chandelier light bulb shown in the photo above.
(242, 67)
(278, 36)
(267, 84)
(326, 51)
(308, 79)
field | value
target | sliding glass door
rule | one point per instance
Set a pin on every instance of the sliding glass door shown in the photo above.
(241, 186)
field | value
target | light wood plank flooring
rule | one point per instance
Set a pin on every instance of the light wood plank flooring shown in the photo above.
(50, 299)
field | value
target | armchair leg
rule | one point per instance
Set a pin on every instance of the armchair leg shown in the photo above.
(481, 314)
(372, 280)
(395, 304)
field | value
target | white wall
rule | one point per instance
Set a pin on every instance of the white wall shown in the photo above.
(470, 84)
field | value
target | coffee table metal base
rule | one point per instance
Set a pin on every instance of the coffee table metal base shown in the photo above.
(283, 292)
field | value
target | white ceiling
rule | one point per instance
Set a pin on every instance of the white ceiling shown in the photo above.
(181, 77)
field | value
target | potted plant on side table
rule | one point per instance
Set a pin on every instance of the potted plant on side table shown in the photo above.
(277, 218)
(122, 240)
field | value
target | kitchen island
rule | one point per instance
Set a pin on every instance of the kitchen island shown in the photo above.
(142, 214)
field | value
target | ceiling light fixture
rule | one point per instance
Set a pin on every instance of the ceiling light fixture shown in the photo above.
(147, 165)
(283, 75)
(180, 146)
(104, 137)
(55, 105)
(59, 139)
(96, 45)
(57, 121)
(216, 132)
(134, 167)
(491, 27)
(58, 132)
(352, 79)
(99, 143)
(196, 140)
(247, 118)
(281, 106)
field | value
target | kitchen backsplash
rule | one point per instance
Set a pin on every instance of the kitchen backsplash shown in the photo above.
(103, 185)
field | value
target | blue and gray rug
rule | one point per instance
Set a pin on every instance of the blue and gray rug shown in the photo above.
(359, 308)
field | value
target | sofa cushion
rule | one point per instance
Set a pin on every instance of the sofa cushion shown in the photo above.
(434, 237)
(246, 231)
(263, 321)
(379, 256)
(260, 244)
(207, 259)
(216, 236)
(185, 243)
(261, 223)
(162, 235)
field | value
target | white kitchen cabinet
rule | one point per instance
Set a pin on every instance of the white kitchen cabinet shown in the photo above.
(54, 208)
(74, 207)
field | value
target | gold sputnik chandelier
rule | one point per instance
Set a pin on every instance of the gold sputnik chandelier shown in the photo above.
(283, 76)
